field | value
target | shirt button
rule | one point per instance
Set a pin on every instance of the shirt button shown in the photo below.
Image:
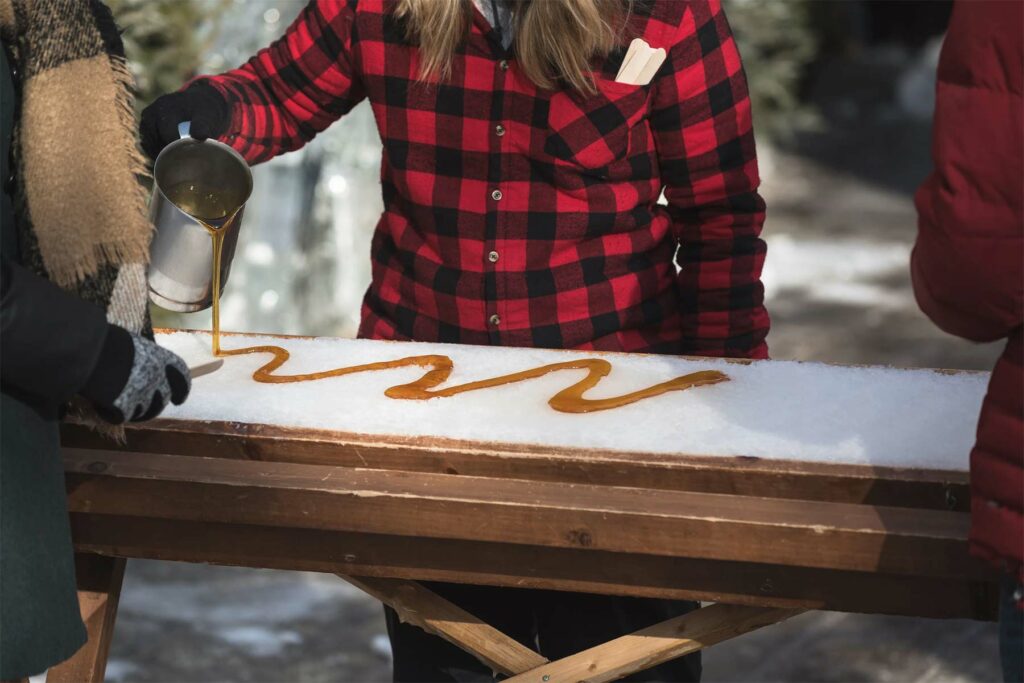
(493, 257)
(503, 64)
(499, 130)
(495, 320)
(496, 195)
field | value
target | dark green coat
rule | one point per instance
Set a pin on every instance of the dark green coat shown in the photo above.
(49, 343)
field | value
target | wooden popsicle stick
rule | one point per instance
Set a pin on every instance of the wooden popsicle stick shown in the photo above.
(631, 71)
(631, 53)
(654, 63)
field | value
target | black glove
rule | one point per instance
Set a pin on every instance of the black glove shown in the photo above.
(201, 103)
(134, 377)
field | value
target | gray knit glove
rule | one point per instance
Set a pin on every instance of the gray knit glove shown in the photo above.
(135, 377)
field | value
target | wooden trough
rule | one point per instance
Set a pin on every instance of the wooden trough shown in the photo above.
(762, 538)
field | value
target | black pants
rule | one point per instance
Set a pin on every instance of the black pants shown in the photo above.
(1011, 630)
(553, 623)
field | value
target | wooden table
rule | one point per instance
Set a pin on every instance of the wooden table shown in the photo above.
(763, 540)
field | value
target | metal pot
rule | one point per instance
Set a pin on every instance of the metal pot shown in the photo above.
(181, 256)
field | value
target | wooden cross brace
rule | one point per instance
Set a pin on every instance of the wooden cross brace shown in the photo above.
(100, 579)
(606, 662)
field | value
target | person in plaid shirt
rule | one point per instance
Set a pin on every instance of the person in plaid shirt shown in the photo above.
(523, 215)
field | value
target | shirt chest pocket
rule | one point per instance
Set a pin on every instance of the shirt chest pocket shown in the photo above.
(593, 130)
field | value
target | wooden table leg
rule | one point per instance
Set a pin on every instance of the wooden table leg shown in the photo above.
(99, 588)
(656, 644)
(422, 607)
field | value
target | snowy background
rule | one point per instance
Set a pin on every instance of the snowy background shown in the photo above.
(840, 227)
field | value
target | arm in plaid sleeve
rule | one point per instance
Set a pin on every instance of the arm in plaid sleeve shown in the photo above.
(702, 127)
(292, 90)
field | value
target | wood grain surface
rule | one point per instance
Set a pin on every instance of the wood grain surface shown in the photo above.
(608, 539)
(742, 475)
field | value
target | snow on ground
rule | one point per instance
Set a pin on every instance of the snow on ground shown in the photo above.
(120, 670)
(843, 271)
(233, 609)
(181, 622)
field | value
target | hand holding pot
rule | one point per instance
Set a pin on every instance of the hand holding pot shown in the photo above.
(201, 103)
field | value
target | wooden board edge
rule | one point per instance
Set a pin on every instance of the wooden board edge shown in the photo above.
(516, 566)
(613, 518)
(879, 485)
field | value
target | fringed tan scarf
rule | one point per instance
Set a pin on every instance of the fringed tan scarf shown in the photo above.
(80, 205)
(82, 216)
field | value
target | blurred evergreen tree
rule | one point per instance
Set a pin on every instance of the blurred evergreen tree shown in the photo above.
(777, 39)
(165, 40)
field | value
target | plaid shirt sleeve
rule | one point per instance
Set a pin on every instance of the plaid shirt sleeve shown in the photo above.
(701, 121)
(292, 90)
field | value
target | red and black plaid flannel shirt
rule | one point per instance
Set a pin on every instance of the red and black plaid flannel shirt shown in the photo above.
(524, 217)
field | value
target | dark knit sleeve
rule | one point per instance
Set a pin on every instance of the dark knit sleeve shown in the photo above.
(50, 340)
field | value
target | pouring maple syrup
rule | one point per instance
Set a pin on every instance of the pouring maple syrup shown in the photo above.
(206, 208)
(209, 208)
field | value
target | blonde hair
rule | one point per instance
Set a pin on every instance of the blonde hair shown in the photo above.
(554, 39)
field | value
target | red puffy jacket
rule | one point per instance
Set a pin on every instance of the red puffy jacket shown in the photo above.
(968, 263)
